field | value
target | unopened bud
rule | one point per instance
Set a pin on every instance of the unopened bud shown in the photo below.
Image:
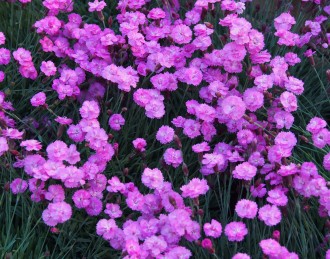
(185, 169)
(54, 230)
(177, 141)
(328, 74)
(100, 15)
(276, 235)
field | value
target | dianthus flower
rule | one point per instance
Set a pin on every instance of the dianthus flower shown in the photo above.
(245, 171)
(56, 213)
(233, 107)
(284, 22)
(140, 144)
(38, 99)
(2, 38)
(165, 134)
(213, 229)
(315, 125)
(194, 188)
(31, 144)
(48, 68)
(89, 110)
(270, 214)
(277, 197)
(241, 256)
(81, 198)
(3, 146)
(152, 178)
(96, 6)
(181, 34)
(116, 121)
(246, 209)
(173, 157)
(113, 210)
(106, 228)
(236, 231)
(55, 193)
(18, 185)
(270, 247)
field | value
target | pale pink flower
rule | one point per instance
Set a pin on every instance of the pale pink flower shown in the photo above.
(194, 188)
(152, 178)
(236, 231)
(165, 134)
(246, 209)
(270, 214)
(213, 229)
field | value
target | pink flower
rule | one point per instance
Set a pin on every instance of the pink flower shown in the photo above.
(233, 107)
(75, 133)
(152, 178)
(201, 147)
(246, 209)
(4, 56)
(48, 68)
(56, 213)
(284, 22)
(31, 144)
(155, 245)
(239, 31)
(191, 128)
(270, 247)
(156, 14)
(194, 188)
(81, 198)
(3, 146)
(289, 101)
(89, 110)
(241, 256)
(95, 207)
(181, 34)
(294, 85)
(38, 99)
(173, 157)
(270, 214)
(113, 210)
(106, 228)
(12, 133)
(116, 121)
(213, 229)
(96, 6)
(63, 120)
(315, 125)
(236, 231)
(2, 38)
(165, 134)
(140, 144)
(286, 140)
(326, 161)
(245, 137)
(283, 119)
(245, 171)
(18, 185)
(55, 193)
(57, 151)
(253, 99)
(205, 112)
(277, 197)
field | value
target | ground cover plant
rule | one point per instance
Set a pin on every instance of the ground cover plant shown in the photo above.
(164, 129)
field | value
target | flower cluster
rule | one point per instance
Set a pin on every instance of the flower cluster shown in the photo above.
(153, 55)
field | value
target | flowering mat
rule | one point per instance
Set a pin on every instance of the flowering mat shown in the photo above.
(164, 129)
